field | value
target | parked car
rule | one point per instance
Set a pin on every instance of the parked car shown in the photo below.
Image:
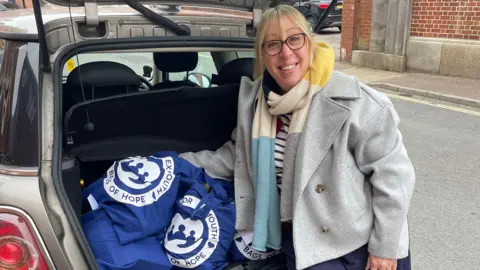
(100, 85)
(4, 6)
(314, 9)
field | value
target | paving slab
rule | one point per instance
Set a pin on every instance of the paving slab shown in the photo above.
(454, 89)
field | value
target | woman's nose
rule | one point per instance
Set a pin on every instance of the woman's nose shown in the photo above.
(286, 51)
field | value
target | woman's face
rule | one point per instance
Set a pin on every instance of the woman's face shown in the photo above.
(287, 62)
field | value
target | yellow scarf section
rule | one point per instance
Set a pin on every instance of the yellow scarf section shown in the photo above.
(322, 65)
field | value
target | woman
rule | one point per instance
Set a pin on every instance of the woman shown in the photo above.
(318, 163)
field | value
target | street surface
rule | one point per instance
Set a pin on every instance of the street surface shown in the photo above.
(444, 146)
(332, 37)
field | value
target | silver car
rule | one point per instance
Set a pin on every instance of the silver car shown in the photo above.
(84, 85)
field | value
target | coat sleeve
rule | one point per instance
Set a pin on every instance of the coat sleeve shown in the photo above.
(381, 154)
(219, 163)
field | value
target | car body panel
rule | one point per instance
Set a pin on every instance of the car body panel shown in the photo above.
(137, 26)
(21, 188)
(58, 23)
(24, 202)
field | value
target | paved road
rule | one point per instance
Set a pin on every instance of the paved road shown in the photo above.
(331, 36)
(444, 146)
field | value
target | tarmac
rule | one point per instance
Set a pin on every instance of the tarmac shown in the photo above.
(457, 90)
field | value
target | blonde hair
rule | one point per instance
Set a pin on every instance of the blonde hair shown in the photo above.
(278, 13)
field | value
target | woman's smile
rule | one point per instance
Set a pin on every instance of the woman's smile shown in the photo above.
(288, 68)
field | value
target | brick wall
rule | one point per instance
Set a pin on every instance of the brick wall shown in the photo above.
(446, 19)
(28, 3)
(365, 24)
(348, 30)
(356, 25)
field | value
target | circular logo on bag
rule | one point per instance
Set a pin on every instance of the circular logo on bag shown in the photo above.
(139, 181)
(191, 242)
(243, 242)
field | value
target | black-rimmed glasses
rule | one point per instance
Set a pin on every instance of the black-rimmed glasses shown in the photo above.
(294, 42)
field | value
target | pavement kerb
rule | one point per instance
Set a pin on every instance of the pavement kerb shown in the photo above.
(426, 93)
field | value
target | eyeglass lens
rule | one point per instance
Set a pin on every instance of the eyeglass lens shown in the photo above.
(294, 42)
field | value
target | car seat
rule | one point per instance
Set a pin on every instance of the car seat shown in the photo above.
(169, 62)
(233, 71)
(100, 79)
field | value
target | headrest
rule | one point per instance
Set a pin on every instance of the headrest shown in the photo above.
(233, 71)
(103, 73)
(175, 61)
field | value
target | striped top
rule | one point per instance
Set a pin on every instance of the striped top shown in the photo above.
(280, 143)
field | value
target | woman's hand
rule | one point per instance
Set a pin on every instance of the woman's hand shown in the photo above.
(375, 263)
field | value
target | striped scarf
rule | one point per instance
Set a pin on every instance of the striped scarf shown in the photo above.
(267, 225)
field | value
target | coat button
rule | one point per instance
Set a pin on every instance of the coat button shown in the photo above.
(324, 229)
(319, 188)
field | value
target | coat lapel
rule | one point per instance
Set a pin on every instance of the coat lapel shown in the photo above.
(324, 122)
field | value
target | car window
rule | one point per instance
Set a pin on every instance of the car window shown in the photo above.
(135, 61)
(19, 102)
(246, 54)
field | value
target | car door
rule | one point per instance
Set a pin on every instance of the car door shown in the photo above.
(23, 219)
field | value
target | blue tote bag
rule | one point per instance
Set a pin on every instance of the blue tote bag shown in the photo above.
(147, 253)
(203, 226)
(139, 193)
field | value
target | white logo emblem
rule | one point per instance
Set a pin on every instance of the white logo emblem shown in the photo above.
(191, 242)
(243, 241)
(144, 178)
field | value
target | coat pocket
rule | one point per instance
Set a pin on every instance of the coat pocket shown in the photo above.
(360, 190)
